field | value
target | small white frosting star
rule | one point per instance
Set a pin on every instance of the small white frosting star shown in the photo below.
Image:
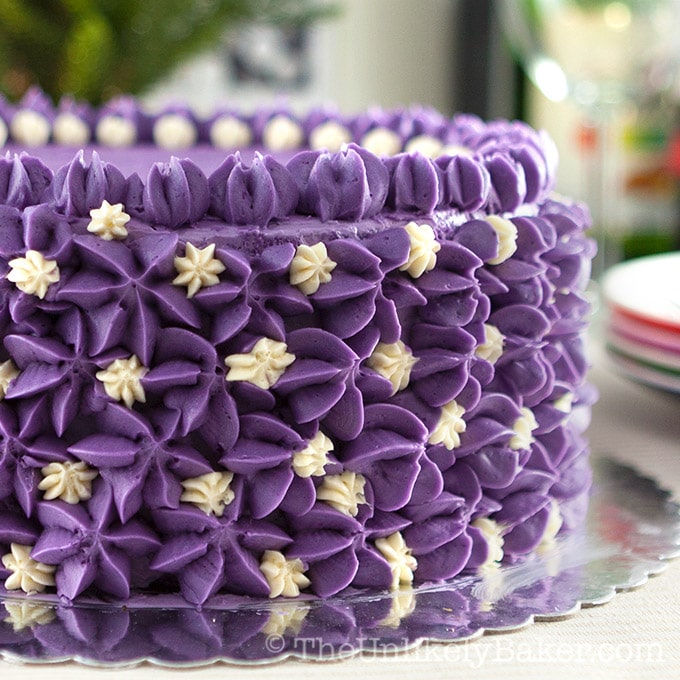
(393, 361)
(422, 255)
(492, 347)
(399, 557)
(310, 461)
(522, 428)
(108, 221)
(8, 372)
(199, 268)
(564, 403)
(344, 492)
(210, 492)
(285, 577)
(311, 267)
(507, 238)
(27, 574)
(552, 527)
(68, 481)
(122, 380)
(449, 427)
(262, 366)
(33, 274)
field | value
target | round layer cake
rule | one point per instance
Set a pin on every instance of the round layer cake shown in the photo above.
(268, 354)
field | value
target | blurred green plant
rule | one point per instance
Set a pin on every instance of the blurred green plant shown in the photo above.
(96, 49)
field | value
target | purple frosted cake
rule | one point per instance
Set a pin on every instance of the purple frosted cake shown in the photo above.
(267, 354)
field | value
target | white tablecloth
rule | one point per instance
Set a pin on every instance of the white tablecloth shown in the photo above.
(636, 635)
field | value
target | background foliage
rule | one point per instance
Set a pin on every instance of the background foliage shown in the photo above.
(96, 49)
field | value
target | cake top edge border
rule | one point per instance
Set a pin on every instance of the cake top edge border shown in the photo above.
(408, 159)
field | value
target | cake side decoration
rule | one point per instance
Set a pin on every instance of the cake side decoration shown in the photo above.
(507, 235)
(393, 361)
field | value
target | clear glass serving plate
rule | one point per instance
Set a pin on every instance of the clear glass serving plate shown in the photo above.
(632, 528)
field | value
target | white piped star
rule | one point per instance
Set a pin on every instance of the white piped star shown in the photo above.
(262, 366)
(492, 347)
(27, 574)
(108, 221)
(522, 428)
(68, 481)
(8, 372)
(399, 557)
(310, 461)
(344, 492)
(507, 238)
(122, 380)
(493, 536)
(393, 361)
(285, 577)
(199, 268)
(210, 493)
(449, 427)
(311, 267)
(33, 274)
(422, 255)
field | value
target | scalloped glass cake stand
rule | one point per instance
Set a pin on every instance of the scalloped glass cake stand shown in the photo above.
(632, 527)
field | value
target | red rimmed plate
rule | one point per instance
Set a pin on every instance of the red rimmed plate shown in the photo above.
(646, 290)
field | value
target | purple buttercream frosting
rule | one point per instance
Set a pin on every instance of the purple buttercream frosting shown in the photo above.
(377, 375)
(252, 195)
(81, 186)
(348, 185)
(176, 193)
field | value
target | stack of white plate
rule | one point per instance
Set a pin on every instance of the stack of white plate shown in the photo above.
(642, 299)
